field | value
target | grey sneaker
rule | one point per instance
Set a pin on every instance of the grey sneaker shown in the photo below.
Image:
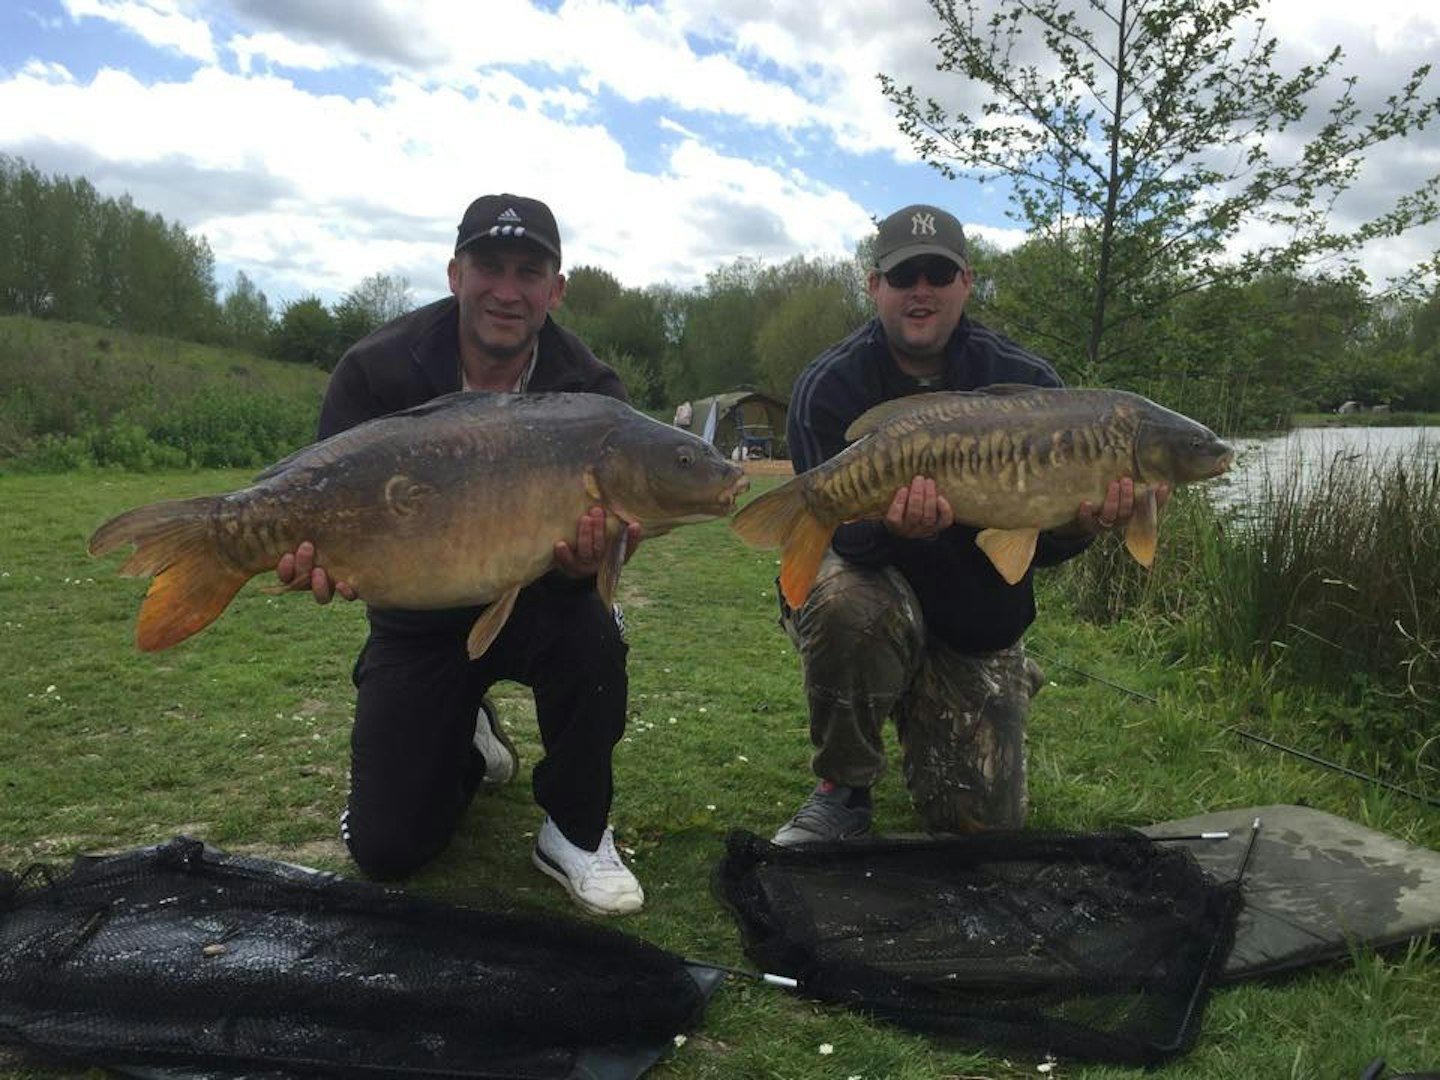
(824, 816)
(502, 761)
(596, 880)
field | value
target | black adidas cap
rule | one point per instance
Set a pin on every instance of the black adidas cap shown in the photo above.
(513, 216)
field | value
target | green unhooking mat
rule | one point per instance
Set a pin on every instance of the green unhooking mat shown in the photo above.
(1316, 885)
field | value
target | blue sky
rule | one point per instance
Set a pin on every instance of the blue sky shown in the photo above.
(316, 143)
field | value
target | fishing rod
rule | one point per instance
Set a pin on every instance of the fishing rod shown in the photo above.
(1235, 729)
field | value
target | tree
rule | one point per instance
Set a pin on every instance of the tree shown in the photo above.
(1147, 138)
(805, 323)
(589, 290)
(718, 345)
(305, 334)
(618, 322)
(368, 306)
(245, 317)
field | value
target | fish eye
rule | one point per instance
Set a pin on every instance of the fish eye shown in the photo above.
(685, 457)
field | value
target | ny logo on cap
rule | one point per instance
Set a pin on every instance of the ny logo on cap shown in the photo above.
(922, 224)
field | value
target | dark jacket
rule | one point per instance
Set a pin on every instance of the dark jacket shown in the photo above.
(415, 358)
(966, 603)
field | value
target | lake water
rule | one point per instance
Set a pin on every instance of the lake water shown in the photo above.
(1307, 452)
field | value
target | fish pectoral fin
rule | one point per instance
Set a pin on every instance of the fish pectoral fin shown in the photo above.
(299, 584)
(608, 579)
(1143, 532)
(491, 621)
(1010, 551)
(592, 484)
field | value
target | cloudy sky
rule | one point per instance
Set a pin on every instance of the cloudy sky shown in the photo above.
(314, 143)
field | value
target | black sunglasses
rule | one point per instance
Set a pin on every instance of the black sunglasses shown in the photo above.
(938, 270)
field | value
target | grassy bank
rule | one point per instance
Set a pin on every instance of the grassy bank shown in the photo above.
(76, 396)
(240, 737)
(1366, 419)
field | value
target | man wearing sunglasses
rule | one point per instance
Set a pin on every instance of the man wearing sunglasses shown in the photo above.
(907, 618)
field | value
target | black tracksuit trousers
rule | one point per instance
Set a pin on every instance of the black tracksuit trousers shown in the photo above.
(414, 768)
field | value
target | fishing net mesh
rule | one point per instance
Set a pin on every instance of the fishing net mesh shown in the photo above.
(180, 955)
(1099, 947)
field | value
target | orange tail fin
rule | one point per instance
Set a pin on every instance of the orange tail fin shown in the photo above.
(781, 518)
(193, 583)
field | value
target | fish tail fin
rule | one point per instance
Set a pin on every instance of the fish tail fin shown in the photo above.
(781, 518)
(174, 544)
(1143, 532)
(800, 560)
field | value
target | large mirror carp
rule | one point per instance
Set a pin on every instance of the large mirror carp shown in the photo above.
(456, 502)
(1010, 459)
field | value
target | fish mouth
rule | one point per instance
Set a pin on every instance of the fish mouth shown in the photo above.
(734, 491)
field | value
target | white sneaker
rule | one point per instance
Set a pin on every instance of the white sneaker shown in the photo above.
(596, 880)
(502, 761)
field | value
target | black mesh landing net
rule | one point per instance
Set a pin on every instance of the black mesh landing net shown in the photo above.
(1098, 947)
(182, 956)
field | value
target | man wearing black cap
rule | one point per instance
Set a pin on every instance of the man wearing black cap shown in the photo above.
(907, 617)
(426, 738)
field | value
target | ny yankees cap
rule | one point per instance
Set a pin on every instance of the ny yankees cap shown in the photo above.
(513, 216)
(919, 230)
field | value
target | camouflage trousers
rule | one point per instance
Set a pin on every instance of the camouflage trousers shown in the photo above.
(960, 718)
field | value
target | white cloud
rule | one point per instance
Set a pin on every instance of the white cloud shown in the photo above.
(46, 71)
(281, 51)
(158, 22)
(755, 127)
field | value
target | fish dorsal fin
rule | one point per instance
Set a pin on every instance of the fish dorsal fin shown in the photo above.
(1010, 550)
(886, 411)
(874, 417)
(1143, 532)
(491, 621)
(1006, 389)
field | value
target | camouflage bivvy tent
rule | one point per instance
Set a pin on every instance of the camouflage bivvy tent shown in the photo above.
(745, 420)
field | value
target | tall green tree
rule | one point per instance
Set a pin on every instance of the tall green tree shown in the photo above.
(622, 325)
(717, 347)
(305, 334)
(245, 316)
(370, 305)
(1146, 135)
(589, 290)
(66, 253)
(803, 324)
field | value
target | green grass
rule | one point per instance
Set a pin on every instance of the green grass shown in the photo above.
(239, 736)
